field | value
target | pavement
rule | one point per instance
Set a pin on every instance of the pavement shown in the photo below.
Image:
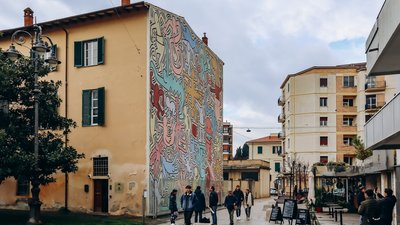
(348, 219)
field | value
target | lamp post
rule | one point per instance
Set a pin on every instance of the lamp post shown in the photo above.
(37, 49)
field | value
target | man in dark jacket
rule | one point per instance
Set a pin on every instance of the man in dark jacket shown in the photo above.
(188, 202)
(369, 209)
(387, 205)
(230, 203)
(200, 206)
(213, 200)
(240, 197)
(173, 206)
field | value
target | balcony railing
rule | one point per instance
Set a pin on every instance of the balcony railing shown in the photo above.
(375, 86)
(281, 101)
(374, 106)
(281, 118)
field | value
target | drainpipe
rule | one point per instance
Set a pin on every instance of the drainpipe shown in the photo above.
(66, 113)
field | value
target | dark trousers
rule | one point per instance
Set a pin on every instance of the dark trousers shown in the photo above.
(238, 210)
(197, 216)
(385, 221)
(230, 211)
(188, 217)
(214, 215)
(248, 210)
(173, 217)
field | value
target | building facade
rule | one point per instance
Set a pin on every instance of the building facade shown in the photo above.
(228, 140)
(146, 92)
(269, 149)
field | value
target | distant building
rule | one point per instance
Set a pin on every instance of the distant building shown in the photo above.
(227, 133)
(269, 149)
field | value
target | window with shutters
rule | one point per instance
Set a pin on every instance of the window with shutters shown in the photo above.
(93, 107)
(100, 166)
(22, 186)
(323, 82)
(323, 141)
(89, 52)
(277, 167)
(323, 101)
(259, 149)
(323, 159)
(348, 81)
(323, 121)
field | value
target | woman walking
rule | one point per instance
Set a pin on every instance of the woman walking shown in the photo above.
(248, 203)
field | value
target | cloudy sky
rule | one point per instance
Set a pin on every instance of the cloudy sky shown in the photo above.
(260, 41)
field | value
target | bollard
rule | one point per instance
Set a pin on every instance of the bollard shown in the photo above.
(332, 214)
(335, 215)
(341, 217)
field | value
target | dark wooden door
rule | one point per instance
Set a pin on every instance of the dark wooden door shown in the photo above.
(100, 195)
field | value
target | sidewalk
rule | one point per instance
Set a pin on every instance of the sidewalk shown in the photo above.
(348, 219)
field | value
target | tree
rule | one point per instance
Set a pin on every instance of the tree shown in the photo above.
(238, 155)
(245, 151)
(16, 138)
(361, 152)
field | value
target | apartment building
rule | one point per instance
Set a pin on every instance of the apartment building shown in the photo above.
(269, 149)
(324, 109)
(146, 92)
(227, 132)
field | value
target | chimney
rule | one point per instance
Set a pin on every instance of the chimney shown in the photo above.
(125, 2)
(205, 39)
(28, 17)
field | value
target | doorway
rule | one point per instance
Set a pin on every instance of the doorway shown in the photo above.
(100, 195)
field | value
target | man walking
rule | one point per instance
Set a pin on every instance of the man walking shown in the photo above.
(230, 203)
(240, 197)
(213, 200)
(369, 209)
(188, 201)
(248, 203)
(200, 206)
(360, 198)
(173, 206)
(387, 205)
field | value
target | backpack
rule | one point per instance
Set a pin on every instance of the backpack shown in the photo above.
(204, 220)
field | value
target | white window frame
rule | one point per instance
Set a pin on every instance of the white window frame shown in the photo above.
(346, 102)
(94, 108)
(90, 53)
(371, 100)
(324, 101)
(348, 82)
(348, 121)
(347, 141)
(323, 123)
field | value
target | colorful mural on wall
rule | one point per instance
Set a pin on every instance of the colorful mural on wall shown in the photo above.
(186, 109)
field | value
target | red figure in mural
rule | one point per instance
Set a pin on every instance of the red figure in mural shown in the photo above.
(157, 94)
(216, 90)
(209, 138)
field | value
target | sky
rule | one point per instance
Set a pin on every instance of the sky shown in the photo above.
(260, 42)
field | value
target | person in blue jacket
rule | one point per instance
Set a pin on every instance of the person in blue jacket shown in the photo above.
(188, 202)
(230, 203)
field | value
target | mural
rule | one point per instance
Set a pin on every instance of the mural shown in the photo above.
(186, 109)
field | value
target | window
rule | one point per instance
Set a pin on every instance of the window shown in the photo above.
(277, 167)
(226, 175)
(348, 102)
(22, 186)
(323, 159)
(250, 176)
(348, 81)
(367, 117)
(323, 121)
(225, 130)
(288, 87)
(323, 82)
(288, 124)
(348, 160)
(370, 102)
(100, 166)
(89, 53)
(288, 142)
(347, 140)
(323, 101)
(259, 149)
(323, 141)
(288, 106)
(93, 107)
(276, 150)
(348, 121)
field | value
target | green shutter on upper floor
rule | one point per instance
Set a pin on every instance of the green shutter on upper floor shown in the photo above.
(100, 50)
(101, 115)
(86, 106)
(78, 54)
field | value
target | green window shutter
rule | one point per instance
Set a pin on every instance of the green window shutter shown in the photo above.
(54, 50)
(100, 50)
(78, 51)
(86, 105)
(277, 167)
(259, 149)
(101, 116)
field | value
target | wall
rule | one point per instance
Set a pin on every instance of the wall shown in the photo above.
(185, 136)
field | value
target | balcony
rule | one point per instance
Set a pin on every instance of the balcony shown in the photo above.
(375, 86)
(281, 101)
(369, 107)
(281, 118)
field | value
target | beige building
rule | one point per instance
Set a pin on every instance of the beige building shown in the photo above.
(269, 149)
(325, 107)
(228, 140)
(146, 92)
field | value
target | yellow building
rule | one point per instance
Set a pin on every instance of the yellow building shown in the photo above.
(146, 92)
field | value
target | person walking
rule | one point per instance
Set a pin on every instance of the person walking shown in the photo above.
(387, 205)
(360, 198)
(248, 203)
(188, 202)
(213, 201)
(240, 197)
(200, 206)
(230, 203)
(369, 209)
(173, 206)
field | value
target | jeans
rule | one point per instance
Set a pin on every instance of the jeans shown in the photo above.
(198, 215)
(248, 210)
(188, 217)
(238, 210)
(230, 211)
(214, 215)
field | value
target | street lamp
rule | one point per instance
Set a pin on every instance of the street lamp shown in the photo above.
(37, 49)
